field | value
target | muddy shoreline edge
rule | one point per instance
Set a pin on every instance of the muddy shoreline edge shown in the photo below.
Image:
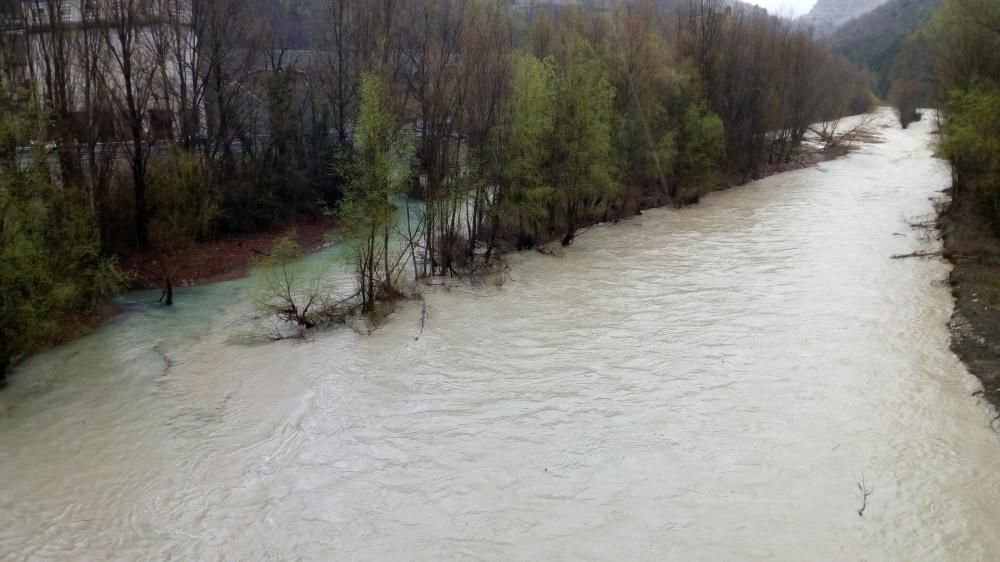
(974, 252)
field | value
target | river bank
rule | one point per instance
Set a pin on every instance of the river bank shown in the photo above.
(222, 259)
(231, 257)
(216, 261)
(974, 251)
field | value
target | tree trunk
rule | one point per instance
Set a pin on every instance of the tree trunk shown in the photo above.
(385, 249)
(167, 296)
(493, 238)
(170, 292)
(4, 363)
(139, 187)
(570, 226)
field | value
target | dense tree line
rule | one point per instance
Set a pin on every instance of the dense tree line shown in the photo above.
(174, 121)
(964, 41)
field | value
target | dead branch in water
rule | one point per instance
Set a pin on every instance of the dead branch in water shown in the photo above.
(984, 258)
(923, 225)
(917, 255)
(865, 492)
(423, 318)
(863, 132)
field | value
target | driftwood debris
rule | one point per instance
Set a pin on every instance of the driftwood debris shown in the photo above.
(865, 492)
(917, 255)
(979, 257)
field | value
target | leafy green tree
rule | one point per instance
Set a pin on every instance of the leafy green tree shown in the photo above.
(378, 175)
(581, 162)
(701, 142)
(52, 272)
(519, 149)
(965, 35)
(971, 141)
(647, 83)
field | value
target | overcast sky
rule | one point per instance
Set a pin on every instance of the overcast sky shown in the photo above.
(783, 7)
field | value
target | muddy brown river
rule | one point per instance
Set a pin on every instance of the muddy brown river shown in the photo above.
(705, 384)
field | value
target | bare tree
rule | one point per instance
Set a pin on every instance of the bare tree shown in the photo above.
(136, 58)
(338, 29)
(225, 54)
(51, 56)
(94, 116)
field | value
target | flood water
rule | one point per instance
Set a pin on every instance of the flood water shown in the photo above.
(705, 384)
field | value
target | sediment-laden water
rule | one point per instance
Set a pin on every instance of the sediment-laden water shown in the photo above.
(705, 384)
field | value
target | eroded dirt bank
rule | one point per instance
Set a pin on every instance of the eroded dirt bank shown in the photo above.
(974, 250)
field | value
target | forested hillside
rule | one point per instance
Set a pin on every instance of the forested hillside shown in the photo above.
(875, 40)
(826, 16)
(164, 128)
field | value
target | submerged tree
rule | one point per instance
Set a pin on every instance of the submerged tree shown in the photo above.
(183, 207)
(289, 288)
(378, 174)
(903, 96)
